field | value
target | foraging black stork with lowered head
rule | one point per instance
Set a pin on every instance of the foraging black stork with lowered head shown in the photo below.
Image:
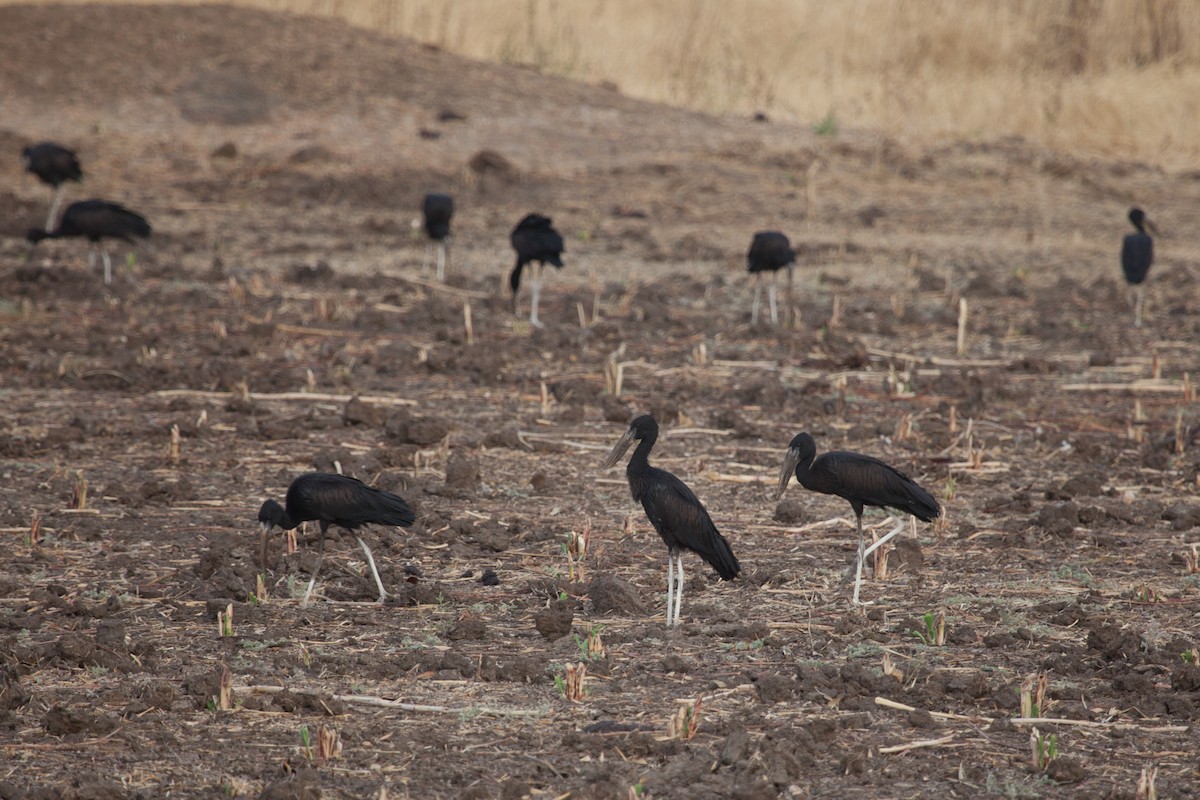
(770, 251)
(96, 220)
(537, 244)
(437, 211)
(54, 165)
(1137, 254)
(674, 511)
(333, 500)
(861, 480)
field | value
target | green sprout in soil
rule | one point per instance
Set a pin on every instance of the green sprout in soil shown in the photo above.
(225, 622)
(306, 743)
(591, 647)
(1044, 749)
(686, 722)
(934, 631)
(827, 126)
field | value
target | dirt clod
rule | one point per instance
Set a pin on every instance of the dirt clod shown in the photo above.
(610, 594)
(555, 622)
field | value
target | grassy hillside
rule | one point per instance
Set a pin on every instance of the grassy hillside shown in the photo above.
(1117, 77)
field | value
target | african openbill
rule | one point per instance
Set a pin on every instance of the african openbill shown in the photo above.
(770, 251)
(861, 480)
(54, 165)
(1137, 254)
(96, 220)
(437, 211)
(537, 244)
(333, 500)
(674, 511)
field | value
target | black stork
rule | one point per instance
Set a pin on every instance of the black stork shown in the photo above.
(54, 165)
(537, 244)
(333, 500)
(861, 480)
(770, 251)
(674, 511)
(96, 220)
(1137, 254)
(437, 211)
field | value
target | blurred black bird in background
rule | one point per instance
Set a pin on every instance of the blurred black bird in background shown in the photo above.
(1137, 254)
(437, 211)
(96, 220)
(537, 244)
(770, 251)
(54, 165)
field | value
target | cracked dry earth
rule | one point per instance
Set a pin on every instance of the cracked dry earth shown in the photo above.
(282, 322)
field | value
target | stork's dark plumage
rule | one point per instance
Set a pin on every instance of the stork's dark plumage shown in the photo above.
(96, 220)
(537, 244)
(770, 251)
(437, 211)
(1137, 254)
(333, 500)
(54, 165)
(862, 481)
(674, 511)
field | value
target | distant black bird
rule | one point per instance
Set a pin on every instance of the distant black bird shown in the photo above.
(54, 165)
(437, 211)
(1137, 254)
(769, 252)
(96, 220)
(333, 500)
(537, 244)
(673, 510)
(862, 481)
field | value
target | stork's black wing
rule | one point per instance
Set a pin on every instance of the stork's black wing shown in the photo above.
(344, 501)
(1137, 254)
(437, 210)
(97, 218)
(682, 522)
(872, 482)
(535, 239)
(52, 163)
(769, 251)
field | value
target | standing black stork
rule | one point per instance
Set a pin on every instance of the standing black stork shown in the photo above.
(437, 211)
(537, 244)
(54, 165)
(769, 252)
(333, 500)
(861, 480)
(96, 220)
(674, 511)
(1137, 254)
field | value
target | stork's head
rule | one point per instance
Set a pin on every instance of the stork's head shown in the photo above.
(644, 427)
(801, 450)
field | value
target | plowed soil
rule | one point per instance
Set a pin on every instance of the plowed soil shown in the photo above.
(282, 320)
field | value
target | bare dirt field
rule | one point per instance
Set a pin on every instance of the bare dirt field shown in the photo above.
(281, 161)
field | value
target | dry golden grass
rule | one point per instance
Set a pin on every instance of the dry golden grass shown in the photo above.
(1118, 77)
